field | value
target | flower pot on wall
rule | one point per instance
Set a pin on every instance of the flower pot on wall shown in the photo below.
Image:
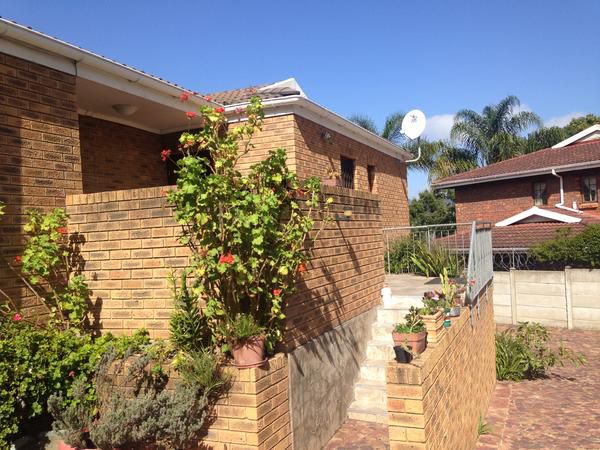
(434, 324)
(331, 182)
(250, 353)
(454, 311)
(416, 341)
(402, 356)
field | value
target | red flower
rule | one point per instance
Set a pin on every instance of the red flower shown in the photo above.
(301, 268)
(300, 192)
(472, 282)
(208, 98)
(72, 374)
(226, 259)
(165, 154)
(18, 259)
(190, 115)
(220, 110)
(276, 292)
(62, 230)
(184, 97)
(17, 317)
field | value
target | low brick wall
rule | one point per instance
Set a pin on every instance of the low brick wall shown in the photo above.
(252, 415)
(436, 401)
(131, 246)
(255, 412)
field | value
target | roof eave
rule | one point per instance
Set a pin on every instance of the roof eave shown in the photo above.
(523, 174)
(299, 104)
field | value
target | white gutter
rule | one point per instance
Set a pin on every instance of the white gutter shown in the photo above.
(561, 205)
(302, 106)
(510, 176)
(12, 33)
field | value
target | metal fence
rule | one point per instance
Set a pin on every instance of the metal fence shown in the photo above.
(423, 249)
(464, 249)
(480, 269)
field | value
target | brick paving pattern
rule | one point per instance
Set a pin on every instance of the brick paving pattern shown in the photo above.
(359, 435)
(559, 412)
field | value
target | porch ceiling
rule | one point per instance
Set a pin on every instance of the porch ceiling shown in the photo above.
(97, 100)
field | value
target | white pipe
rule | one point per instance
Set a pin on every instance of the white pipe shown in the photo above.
(417, 158)
(561, 205)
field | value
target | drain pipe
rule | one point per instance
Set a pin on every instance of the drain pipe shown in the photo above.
(561, 205)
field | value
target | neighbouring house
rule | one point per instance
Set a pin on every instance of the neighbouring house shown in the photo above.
(529, 197)
(81, 131)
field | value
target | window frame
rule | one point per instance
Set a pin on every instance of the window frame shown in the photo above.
(371, 176)
(348, 180)
(543, 199)
(593, 192)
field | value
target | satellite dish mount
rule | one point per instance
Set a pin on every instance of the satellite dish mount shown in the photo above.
(413, 126)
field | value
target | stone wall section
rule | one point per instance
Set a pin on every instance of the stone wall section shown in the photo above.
(437, 400)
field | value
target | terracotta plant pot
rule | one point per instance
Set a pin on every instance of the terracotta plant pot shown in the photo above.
(250, 353)
(416, 341)
(331, 182)
(63, 446)
(434, 324)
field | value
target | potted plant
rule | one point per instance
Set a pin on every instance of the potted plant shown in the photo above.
(410, 337)
(432, 314)
(451, 294)
(333, 178)
(247, 341)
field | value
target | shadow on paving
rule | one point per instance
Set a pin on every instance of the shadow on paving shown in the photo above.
(561, 411)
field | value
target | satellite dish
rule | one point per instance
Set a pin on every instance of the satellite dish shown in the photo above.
(413, 124)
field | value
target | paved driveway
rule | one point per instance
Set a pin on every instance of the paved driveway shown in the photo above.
(560, 412)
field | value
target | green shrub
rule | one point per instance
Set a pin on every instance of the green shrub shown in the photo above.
(188, 327)
(412, 322)
(579, 250)
(399, 255)
(524, 353)
(433, 260)
(243, 327)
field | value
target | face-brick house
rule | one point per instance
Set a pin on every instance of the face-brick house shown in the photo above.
(529, 197)
(81, 131)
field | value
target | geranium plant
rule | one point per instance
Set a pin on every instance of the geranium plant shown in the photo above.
(248, 232)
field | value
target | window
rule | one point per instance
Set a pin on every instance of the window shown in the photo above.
(371, 177)
(540, 194)
(589, 190)
(347, 176)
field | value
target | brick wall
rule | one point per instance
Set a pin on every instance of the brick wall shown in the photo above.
(436, 401)
(131, 247)
(314, 156)
(253, 414)
(39, 151)
(116, 156)
(502, 199)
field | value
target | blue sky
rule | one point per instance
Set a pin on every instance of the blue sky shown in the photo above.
(373, 57)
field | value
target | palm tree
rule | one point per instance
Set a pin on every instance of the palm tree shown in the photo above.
(439, 158)
(391, 127)
(494, 135)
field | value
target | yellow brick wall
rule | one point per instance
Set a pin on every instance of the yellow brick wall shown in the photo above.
(435, 402)
(313, 156)
(131, 246)
(40, 159)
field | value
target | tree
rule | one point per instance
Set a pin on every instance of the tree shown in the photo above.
(581, 123)
(438, 158)
(432, 208)
(543, 138)
(494, 135)
(391, 127)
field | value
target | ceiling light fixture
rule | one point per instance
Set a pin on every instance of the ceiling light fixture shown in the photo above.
(125, 110)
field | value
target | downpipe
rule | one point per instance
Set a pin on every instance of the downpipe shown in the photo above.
(561, 205)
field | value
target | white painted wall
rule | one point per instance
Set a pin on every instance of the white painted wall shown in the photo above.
(569, 298)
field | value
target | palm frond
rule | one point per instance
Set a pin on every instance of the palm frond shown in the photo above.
(392, 127)
(364, 121)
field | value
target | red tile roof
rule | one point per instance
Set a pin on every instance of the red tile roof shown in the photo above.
(571, 157)
(234, 96)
